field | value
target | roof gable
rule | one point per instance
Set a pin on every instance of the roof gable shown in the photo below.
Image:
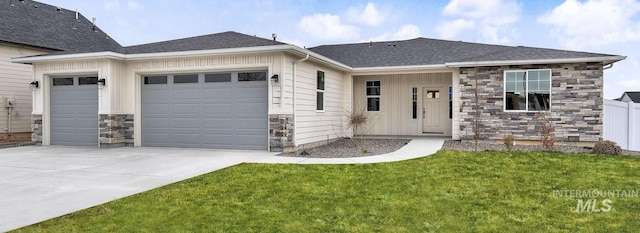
(41, 25)
(633, 95)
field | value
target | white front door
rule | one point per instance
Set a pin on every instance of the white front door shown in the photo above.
(433, 110)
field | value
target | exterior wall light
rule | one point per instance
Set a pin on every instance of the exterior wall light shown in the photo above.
(274, 78)
(33, 85)
(101, 83)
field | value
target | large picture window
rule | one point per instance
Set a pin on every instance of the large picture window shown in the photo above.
(320, 91)
(373, 96)
(527, 90)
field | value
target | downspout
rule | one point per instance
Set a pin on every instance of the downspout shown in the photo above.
(295, 91)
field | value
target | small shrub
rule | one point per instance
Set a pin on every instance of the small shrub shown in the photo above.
(508, 141)
(547, 130)
(607, 147)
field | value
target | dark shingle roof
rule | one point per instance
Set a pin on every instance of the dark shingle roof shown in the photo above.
(423, 51)
(634, 96)
(41, 25)
(224, 40)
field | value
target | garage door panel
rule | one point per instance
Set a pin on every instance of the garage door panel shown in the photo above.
(219, 125)
(244, 108)
(217, 93)
(186, 138)
(187, 94)
(185, 123)
(155, 138)
(186, 108)
(155, 108)
(250, 124)
(84, 123)
(152, 123)
(157, 94)
(218, 139)
(217, 109)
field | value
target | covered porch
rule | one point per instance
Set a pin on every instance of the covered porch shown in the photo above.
(408, 104)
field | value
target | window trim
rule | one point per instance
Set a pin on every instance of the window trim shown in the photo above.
(526, 81)
(367, 96)
(320, 90)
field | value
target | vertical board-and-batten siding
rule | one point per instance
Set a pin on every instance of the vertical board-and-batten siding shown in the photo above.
(312, 125)
(395, 115)
(15, 79)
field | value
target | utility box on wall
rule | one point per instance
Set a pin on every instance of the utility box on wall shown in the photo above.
(9, 102)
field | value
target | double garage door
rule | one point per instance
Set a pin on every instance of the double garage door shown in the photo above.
(210, 110)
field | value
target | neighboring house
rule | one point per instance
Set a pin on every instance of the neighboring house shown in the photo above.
(630, 96)
(230, 90)
(30, 28)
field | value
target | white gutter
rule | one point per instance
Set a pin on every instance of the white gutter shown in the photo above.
(43, 58)
(139, 56)
(295, 118)
(142, 56)
(540, 61)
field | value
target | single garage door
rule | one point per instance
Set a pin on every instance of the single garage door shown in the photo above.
(214, 110)
(74, 111)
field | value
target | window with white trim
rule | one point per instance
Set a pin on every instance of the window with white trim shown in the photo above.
(373, 96)
(527, 90)
(320, 91)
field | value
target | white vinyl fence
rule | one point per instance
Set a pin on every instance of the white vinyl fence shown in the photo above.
(622, 123)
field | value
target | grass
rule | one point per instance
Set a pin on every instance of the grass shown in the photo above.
(447, 192)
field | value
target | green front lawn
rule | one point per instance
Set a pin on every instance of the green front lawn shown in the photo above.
(446, 192)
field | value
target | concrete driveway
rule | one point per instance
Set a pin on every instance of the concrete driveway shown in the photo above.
(42, 182)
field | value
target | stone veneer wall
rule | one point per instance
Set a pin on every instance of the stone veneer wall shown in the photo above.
(36, 128)
(281, 132)
(116, 130)
(576, 104)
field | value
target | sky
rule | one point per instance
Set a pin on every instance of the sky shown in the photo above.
(600, 26)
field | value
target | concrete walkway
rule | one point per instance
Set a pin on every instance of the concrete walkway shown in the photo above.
(42, 182)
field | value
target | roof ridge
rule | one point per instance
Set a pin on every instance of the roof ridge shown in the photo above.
(194, 37)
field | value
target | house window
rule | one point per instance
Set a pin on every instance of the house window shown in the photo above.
(414, 100)
(320, 91)
(450, 102)
(528, 90)
(373, 96)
